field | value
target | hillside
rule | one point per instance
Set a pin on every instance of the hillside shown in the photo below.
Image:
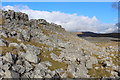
(39, 49)
(91, 34)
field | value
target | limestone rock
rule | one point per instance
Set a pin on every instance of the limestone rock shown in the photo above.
(10, 57)
(11, 74)
(32, 57)
(91, 61)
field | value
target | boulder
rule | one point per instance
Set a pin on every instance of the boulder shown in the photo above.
(91, 61)
(55, 57)
(26, 35)
(3, 42)
(1, 73)
(10, 57)
(31, 57)
(11, 74)
(14, 44)
(48, 63)
(28, 66)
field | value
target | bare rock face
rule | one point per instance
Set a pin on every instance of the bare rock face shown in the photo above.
(11, 15)
(39, 49)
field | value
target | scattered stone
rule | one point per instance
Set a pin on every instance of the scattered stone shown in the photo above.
(59, 70)
(48, 63)
(64, 75)
(55, 57)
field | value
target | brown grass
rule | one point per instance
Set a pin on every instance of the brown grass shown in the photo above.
(98, 73)
(2, 21)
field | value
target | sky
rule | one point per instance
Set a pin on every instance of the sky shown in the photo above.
(73, 16)
(60, 0)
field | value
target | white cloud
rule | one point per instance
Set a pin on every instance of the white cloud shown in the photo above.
(71, 22)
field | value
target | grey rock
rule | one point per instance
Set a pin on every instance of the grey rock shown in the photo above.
(42, 21)
(55, 57)
(6, 66)
(50, 49)
(32, 57)
(14, 44)
(91, 61)
(37, 76)
(26, 35)
(114, 73)
(71, 69)
(41, 66)
(1, 63)
(108, 64)
(18, 68)
(20, 37)
(48, 76)
(52, 73)
(10, 57)
(19, 62)
(11, 74)
(13, 33)
(3, 42)
(23, 46)
(64, 75)
(59, 70)
(81, 71)
(2, 72)
(33, 50)
(63, 45)
(28, 66)
(40, 72)
(21, 55)
(47, 63)
(22, 70)
(26, 75)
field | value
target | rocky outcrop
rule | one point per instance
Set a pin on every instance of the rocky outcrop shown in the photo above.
(39, 49)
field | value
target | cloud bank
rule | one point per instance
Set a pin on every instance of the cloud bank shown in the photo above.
(71, 22)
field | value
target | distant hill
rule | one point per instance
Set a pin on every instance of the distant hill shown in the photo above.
(91, 34)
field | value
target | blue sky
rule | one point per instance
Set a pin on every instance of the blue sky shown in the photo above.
(59, 0)
(73, 16)
(102, 10)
